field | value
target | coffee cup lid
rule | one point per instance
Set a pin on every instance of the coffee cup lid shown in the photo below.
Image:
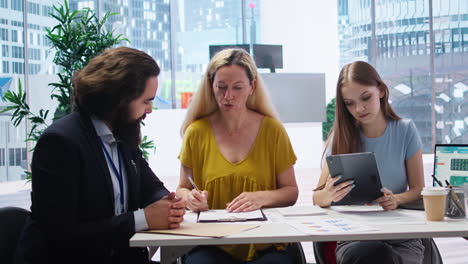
(434, 191)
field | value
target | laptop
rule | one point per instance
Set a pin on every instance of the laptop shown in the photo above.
(451, 164)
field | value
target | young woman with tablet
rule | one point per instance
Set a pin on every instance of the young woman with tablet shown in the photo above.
(365, 122)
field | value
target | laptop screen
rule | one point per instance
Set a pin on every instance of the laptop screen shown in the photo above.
(451, 163)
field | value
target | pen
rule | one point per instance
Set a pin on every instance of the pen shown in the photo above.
(454, 197)
(437, 180)
(189, 177)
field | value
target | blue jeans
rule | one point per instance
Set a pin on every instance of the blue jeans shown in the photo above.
(213, 254)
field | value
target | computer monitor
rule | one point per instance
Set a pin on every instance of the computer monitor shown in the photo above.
(268, 56)
(217, 48)
(451, 163)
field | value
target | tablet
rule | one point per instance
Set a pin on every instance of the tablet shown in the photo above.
(360, 167)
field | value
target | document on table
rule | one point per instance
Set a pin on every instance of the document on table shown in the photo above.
(397, 216)
(329, 226)
(357, 208)
(205, 229)
(302, 210)
(225, 216)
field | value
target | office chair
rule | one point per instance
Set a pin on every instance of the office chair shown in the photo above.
(12, 220)
(431, 252)
(323, 256)
(299, 256)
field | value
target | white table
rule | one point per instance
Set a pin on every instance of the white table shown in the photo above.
(173, 246)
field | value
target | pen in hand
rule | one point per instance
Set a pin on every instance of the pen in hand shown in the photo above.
(199, 201)
(189, 177)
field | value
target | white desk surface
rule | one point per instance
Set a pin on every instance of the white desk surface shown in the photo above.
(282, 232)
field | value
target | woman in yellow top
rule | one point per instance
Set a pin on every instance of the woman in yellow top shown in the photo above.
(237, 152)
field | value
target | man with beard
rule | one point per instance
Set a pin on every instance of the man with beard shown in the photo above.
(91, 188)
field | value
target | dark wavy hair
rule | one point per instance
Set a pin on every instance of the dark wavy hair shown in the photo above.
(112, 80)
(107, 85)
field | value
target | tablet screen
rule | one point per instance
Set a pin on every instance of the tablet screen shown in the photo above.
(360, 167)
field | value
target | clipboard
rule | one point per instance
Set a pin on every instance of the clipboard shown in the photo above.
(222, 215)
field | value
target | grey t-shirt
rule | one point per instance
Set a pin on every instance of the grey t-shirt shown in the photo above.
(399, 142)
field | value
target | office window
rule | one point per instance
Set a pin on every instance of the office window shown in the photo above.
(5, 51)
(17, 5)
(46, 10)
(403, 59)
(23, 153)
(5, 67)
(33, 8)
(17, 52)
(2, 157)
(17, 156)
(17, 23)
(34, 54)
(4, 3)
(18, 67)
(14, 35)
(3, 21)
(11, 156)
(4, 34)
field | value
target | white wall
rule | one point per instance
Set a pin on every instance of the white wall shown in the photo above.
(163, 126)
(307, 29)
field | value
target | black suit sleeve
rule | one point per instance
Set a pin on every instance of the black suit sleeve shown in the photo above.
(152, 189)
(57, 166)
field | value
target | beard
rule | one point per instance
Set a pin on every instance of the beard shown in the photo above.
(126, 129)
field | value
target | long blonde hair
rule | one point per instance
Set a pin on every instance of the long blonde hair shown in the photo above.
(204, 103)
(346, 131)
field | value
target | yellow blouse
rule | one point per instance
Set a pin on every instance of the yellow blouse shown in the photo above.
(270, 155)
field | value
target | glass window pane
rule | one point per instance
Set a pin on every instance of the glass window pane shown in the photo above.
(404, 63)
(11, 71)
(200, 24)
(147, 25)
(18, 157)
(451, 71)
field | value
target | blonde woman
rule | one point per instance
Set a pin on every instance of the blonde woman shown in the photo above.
(237, 152)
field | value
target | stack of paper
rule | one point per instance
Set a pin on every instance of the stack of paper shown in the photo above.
(329, 226)
(302, 210)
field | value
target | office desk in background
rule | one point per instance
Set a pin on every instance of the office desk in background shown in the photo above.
(173, 246)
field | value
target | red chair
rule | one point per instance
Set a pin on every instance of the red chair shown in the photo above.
(324, 252)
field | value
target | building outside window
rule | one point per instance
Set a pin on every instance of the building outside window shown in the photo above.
(403, 57)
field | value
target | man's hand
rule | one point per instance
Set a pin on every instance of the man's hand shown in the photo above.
(166, 213)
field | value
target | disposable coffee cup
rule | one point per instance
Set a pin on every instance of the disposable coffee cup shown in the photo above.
(434, 202)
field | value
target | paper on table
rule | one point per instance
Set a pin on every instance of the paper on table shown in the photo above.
(357, 208)
(225, 216)
(386, 217)
(329, 226)
(205, 229)
(302, 210)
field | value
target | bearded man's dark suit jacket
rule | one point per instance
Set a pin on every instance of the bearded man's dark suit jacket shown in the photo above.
(72, 219)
